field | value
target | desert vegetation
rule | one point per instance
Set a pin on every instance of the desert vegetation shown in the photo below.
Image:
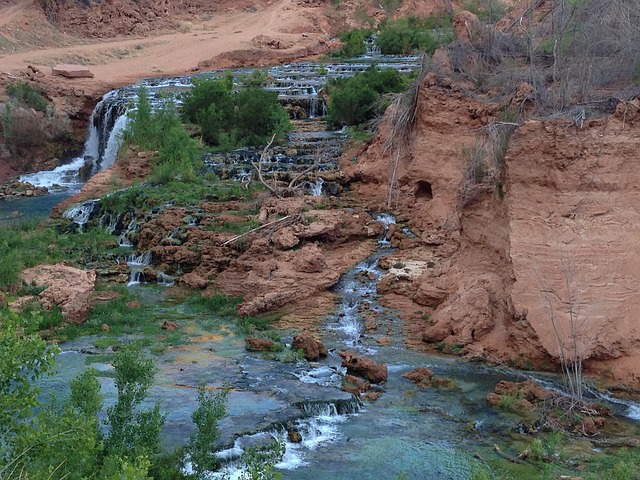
(228, 119)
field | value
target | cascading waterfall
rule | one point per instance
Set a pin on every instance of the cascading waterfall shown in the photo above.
(319, 429)
(316, 188)
(137, 263)
(107, 114)
(81, 213)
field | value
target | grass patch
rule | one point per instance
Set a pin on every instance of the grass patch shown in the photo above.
(219, 304)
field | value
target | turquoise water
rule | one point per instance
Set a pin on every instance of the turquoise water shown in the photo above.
(29, 208)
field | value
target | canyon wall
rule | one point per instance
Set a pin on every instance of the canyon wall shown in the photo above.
(553, 240)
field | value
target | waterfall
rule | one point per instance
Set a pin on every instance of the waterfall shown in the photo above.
(316, 431)
(81, 213)
(137, 263)
(107, 121)
(316, 188)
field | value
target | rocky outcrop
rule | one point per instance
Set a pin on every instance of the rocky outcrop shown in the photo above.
(67, 287)
(312, 348)
(71, 71)
(572, 196)
(481, 275)
(419, 375)
(364, 367)
(254, 344)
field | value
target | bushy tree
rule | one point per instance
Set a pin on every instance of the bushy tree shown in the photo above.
(24, 358)
(407, 35)
(133, 432)
(211, 409)
(355, 100)
(229, 119)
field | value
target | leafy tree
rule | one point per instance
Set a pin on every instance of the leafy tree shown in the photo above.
(24, 358)
(211, 409)
(355, 100)
(259, 462)
(353, 43)
(134, 433)
(229, 119)
(407, 35)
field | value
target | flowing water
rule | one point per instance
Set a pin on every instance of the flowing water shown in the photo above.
(418, 433)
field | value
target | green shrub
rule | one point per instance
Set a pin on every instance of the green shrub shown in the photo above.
(355, 100)
(229, 119)
(353, 43)
(211, 409)
(219, 303)
(29, 95)
(162, 130)
(411, 34)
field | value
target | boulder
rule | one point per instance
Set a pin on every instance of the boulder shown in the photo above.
(364, 367)
(419, 375)
(312, 348)
(169, 326)
(285, 238)
(71, 71)
(258, 344)
(355, 385)
(309, 259)
(68, 287)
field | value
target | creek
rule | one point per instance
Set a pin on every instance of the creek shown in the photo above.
(418, 433)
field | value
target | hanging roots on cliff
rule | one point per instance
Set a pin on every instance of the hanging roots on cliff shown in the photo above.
(484, 162)
(398, 142)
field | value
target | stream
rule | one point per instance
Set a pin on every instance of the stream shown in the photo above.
(408, 432)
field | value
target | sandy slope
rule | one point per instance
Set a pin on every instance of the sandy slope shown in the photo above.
(121, 61)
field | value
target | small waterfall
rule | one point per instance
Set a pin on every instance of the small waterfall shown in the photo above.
(387, 220)
(321, 429)
(316, 188)
(114, 140)
(137, 263)
(313, 109)
(124, 239)
(165, 279)
(81, 213)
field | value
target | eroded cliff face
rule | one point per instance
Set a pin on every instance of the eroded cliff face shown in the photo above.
(454, 284)
(488, 278)
(573, 201)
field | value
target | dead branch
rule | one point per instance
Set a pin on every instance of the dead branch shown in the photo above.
(261, 227)
(296, 184)
(507, 456)
(404, 116)
(264, 156)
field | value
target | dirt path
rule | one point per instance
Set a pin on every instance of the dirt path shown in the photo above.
(121, 61)
(9, 13)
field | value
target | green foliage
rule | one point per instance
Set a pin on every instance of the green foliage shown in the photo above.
(211, 409)
(355, 100)
(259, 462)
(28, 94)
(229, 119)
(486, 10)
(24, 358)
(412, 34)
(85, 393)
(163, 131)
(353, 43)
(258, 78)
(218, 304)
(133, 433)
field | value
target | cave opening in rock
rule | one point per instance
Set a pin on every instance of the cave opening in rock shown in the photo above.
(423, 191)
